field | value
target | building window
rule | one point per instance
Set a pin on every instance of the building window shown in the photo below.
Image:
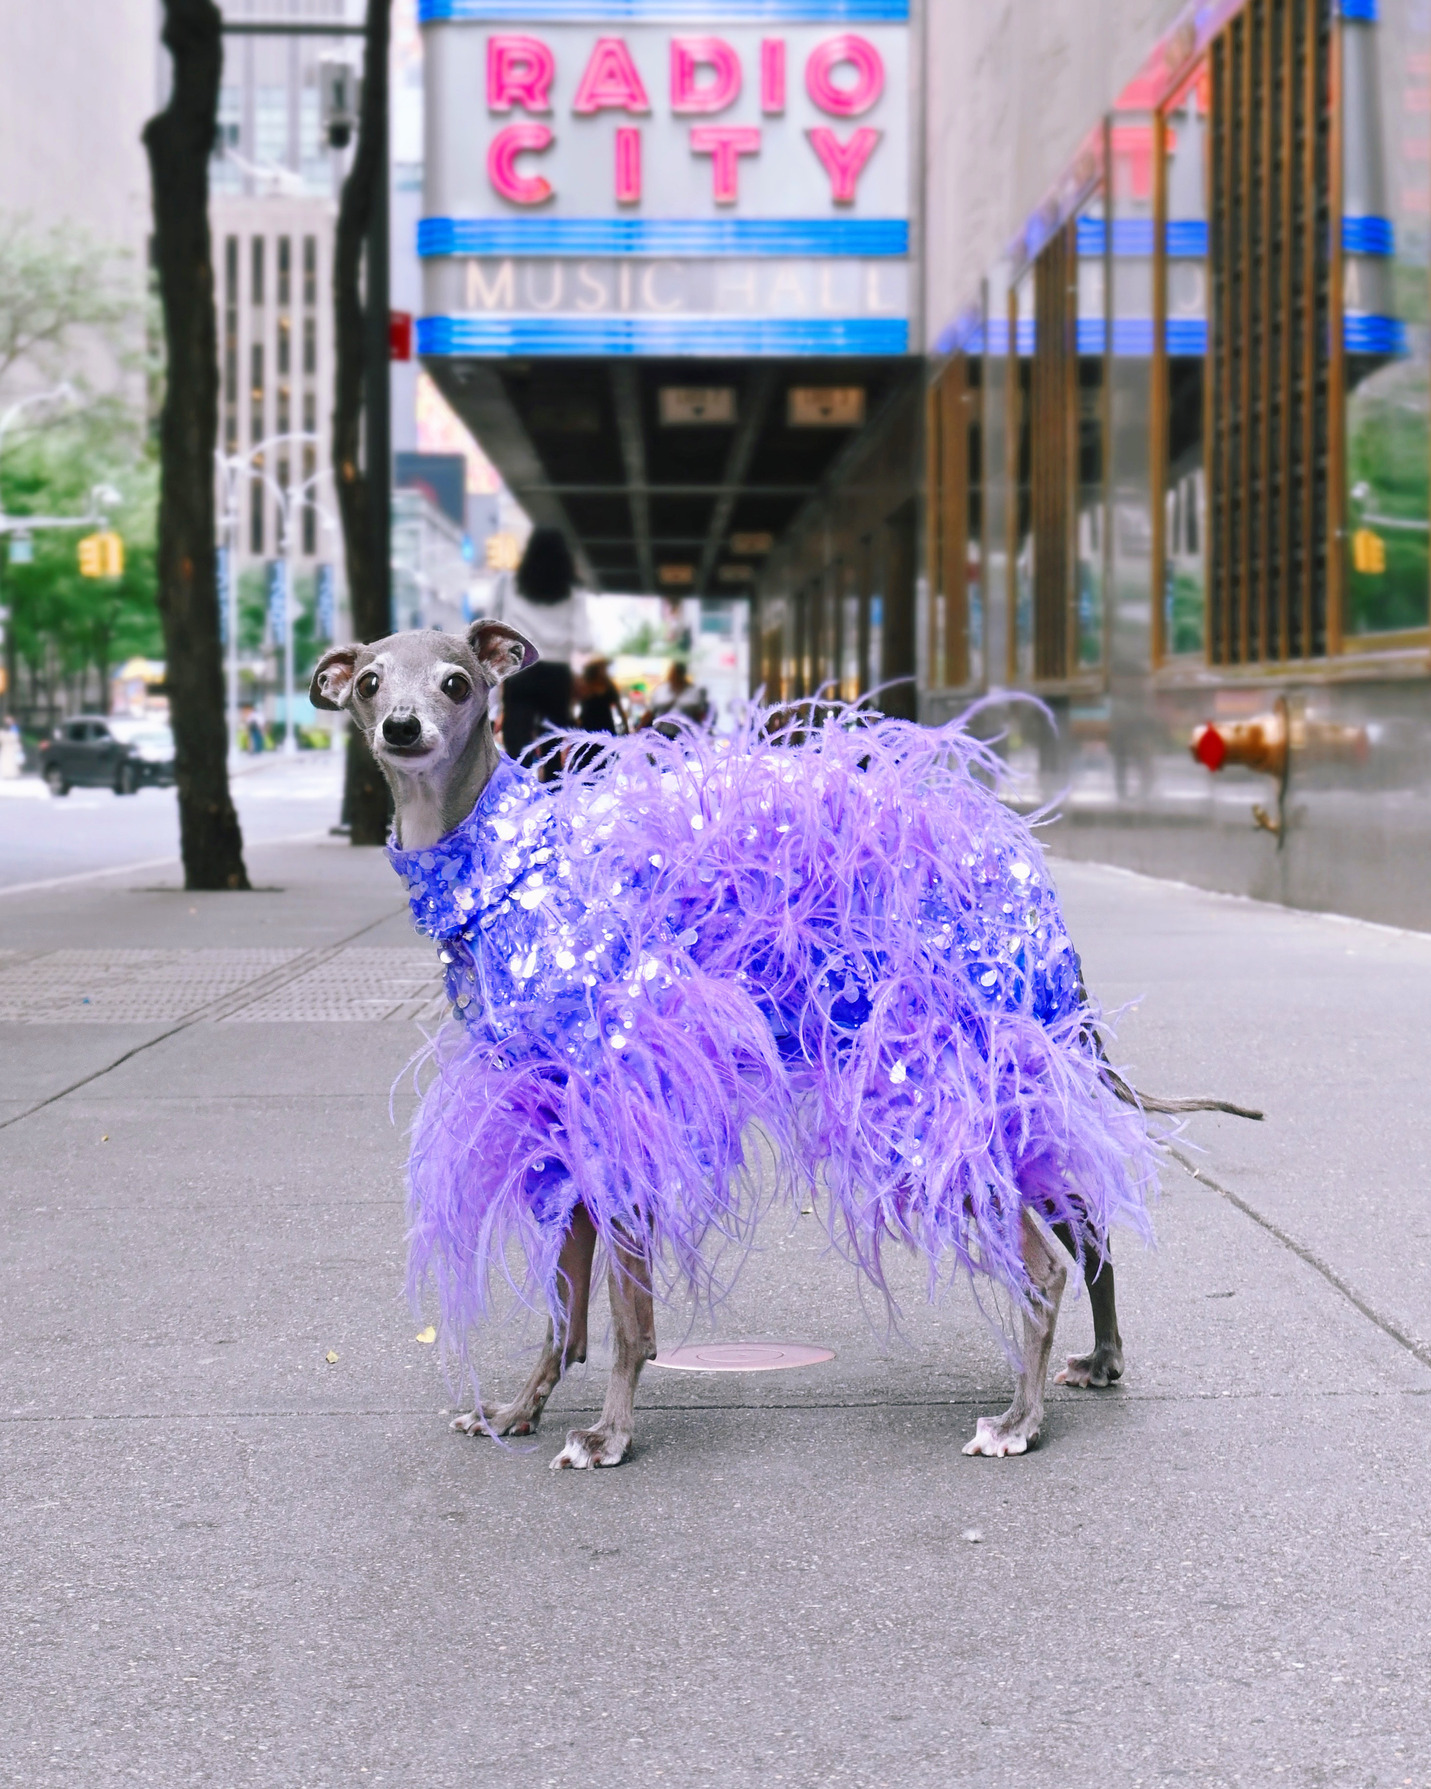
(310, 412)
(310, 512)
(956, 524)
(255, 516)
(255, 395)
(1180, 519)
(231, 350)
(285, 332)
(1022, 546)
(282, 425)
(256, 270)
(310, 272)
(1088, 338)
(285, 269)
(310, 346)
(1269, 349)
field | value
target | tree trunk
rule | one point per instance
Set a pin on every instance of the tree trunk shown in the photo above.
(179, 141)
(367, 805)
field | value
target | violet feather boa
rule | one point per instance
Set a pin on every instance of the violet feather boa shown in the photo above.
(845, 939)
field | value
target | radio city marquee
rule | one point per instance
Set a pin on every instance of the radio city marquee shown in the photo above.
(642, 178)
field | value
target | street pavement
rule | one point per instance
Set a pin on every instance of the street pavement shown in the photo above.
(47, 838)
(231, 1560)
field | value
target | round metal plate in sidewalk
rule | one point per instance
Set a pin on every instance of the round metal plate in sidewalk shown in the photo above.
(742, 1357)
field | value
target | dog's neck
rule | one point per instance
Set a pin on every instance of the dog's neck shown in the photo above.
(427, 805)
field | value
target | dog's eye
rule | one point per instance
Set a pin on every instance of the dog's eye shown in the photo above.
(368, 684)
(456, 687)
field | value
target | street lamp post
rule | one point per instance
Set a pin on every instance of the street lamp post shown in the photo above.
(228, 470)
(232, 468)
(292, 511)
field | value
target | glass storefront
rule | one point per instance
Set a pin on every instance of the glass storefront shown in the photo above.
(1183, 276)
(1386, 223)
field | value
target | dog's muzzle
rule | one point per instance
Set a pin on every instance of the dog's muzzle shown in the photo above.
(402, 731)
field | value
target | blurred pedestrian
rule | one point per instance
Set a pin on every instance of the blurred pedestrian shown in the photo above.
(543, 603)
(12, 750)
(676, 700)
(599, 709)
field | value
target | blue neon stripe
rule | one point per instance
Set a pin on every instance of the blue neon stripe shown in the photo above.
(1187, 336)
(1362, 11)
(1133, 336)
(662, 236)
(1363, 332)
(713, 336)
(1187, 237)
(1133, 236)
(612, 12)
(1368, 236)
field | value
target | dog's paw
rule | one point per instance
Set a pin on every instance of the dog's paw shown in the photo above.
(1099, 1369)
(996, 1437)
(510, 1421)
(593, 1447)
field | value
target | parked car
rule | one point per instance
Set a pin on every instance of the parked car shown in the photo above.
(117, 754)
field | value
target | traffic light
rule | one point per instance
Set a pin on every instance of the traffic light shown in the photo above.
(101, 556)
(502, 552)
(1368, 551)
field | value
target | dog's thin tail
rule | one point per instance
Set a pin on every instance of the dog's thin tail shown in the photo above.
(1130, 1096)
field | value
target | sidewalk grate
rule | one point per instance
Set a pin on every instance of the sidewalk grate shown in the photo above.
(376, 985)
(129, 987)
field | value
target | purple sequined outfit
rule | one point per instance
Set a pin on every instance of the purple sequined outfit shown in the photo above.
(847, 941)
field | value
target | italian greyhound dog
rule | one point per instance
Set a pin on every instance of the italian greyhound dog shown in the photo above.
(423, 702)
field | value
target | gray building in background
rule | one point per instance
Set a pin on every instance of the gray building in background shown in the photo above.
(78, 79)
(274, 186)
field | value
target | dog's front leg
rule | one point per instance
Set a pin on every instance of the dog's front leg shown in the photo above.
(633, 1322)
(1017, 1429)
(1105, 1363)
(565, 1343)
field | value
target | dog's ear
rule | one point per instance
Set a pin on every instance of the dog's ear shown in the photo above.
(501, 648)
(332, 685)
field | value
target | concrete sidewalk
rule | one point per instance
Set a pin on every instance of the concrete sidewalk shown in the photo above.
(230, 1561)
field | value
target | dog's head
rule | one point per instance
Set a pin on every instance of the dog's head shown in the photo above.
(419, 697)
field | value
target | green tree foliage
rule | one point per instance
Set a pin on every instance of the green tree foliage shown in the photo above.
(56, 288)
(71, 310)
(70, 632)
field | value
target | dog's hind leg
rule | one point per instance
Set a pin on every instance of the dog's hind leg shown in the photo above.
(1017, 1429)
(1105, 1363)
(633, 1323)
(564, 1346)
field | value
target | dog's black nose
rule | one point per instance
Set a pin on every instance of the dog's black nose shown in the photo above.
(402, 729)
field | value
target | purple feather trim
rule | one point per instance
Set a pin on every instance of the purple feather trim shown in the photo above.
(846, 940)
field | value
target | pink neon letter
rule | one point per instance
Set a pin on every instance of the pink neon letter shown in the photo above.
(688, 54)
(772, 74)
(611, 82)
(502, 153)
(723, 143)
(863, 57)
(519, 73)
(844, 162)
(628, 165)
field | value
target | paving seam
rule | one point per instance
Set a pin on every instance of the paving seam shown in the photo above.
(1417, 1349)
(222, 1008)
(664, 1409)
